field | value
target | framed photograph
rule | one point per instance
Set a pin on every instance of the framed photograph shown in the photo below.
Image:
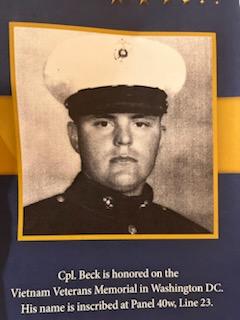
(116, 133)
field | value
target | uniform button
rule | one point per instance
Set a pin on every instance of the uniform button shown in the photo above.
(132, 229)
(144, 204)
(60, 198)
(164, 208)
(108, 201)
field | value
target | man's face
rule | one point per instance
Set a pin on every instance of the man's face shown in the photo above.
(118, 150)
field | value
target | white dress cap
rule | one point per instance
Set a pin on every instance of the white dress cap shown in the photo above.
(96, 60)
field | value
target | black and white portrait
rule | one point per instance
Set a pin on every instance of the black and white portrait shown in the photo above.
(117, 132)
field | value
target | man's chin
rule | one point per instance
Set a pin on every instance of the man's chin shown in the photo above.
(127, 184)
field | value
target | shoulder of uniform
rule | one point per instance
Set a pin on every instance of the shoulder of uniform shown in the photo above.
(160, 209)
(163, 209)
(41, 216)
(54, 201)
(176, 221)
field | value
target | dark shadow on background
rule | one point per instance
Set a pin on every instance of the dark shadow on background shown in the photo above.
(5, 234)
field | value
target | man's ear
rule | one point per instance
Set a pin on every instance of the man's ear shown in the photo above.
(73, 135)
(162, 130)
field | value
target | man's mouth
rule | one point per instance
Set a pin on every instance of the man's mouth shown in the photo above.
(123, 159)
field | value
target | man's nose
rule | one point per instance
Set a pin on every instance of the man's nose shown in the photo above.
(122, 136)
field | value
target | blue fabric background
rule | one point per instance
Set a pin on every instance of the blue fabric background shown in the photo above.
(36, 264)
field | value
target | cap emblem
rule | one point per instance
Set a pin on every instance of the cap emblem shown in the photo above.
(122, 51)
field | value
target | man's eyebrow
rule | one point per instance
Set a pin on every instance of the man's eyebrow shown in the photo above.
(113, 116)
(139, 116)
(103, 115)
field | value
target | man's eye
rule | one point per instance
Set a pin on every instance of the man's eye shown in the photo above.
(102, 123)
(141, 124)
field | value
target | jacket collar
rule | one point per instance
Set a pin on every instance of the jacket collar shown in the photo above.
(93, 196)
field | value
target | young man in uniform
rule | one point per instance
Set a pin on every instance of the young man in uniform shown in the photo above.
(116, 102)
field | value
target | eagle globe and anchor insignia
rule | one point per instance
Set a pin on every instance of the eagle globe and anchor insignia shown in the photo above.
(122, 50)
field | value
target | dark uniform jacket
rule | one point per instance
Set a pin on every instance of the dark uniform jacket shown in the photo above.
(89, 208)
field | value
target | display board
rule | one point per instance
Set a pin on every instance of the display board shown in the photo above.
(150, 227)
